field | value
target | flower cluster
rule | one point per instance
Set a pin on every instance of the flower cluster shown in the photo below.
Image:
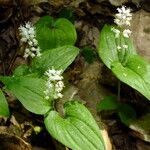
(122, 19)
(54, 84)
(28, 36)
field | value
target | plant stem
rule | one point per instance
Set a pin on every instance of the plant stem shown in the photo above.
(119, 87)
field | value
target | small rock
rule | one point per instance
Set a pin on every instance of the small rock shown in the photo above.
(90, 35)
(141, 127)
(117, 2)
(141, 33)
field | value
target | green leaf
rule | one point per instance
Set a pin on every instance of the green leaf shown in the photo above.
(68, 14)
(52, 33)
(59, 58)
(88, 54)
(24, 70)
(29, 91)
(4, 110)
(78, 130)
(107, 48)
(126, 113)
(21, 70)
(136, 74)
(108, 103)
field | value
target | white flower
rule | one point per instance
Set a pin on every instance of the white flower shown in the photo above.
(27, 31)
(28, 34)
(28, 25)
(47, 97)
(32, 55)
(59, 86)
(24, 40)
(127, 33)
(54, 84)
(35, 42)
(123, 17)
(38, 54)
(31, 43)
(118, 47)
(54, 75)
(116, 31)
(59, 95)
(125, 46)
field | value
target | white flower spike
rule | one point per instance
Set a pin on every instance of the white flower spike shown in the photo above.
(123, 17)
(54, 84)
(28, 36)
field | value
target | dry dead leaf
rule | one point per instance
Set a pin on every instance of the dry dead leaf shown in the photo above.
(12, 142)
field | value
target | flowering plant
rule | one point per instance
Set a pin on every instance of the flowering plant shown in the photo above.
(27, 33)
(40, 83)
(118, 53)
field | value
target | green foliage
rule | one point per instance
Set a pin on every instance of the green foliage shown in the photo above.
(59, 58)
(88, 54)
(125, 64)
(68, 14)
(125, 112)
(136, 73)
(21, 70)
(4, 110)
(25, 83)
(52, 33)
(108, 103)
(29, 91)
(77, 130)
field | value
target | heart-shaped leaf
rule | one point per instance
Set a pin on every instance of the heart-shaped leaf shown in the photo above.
(77, 130)
(4, 110)
(30, 92)
(136, 74)
(52, 33)
(59, 58)
(108, 44)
